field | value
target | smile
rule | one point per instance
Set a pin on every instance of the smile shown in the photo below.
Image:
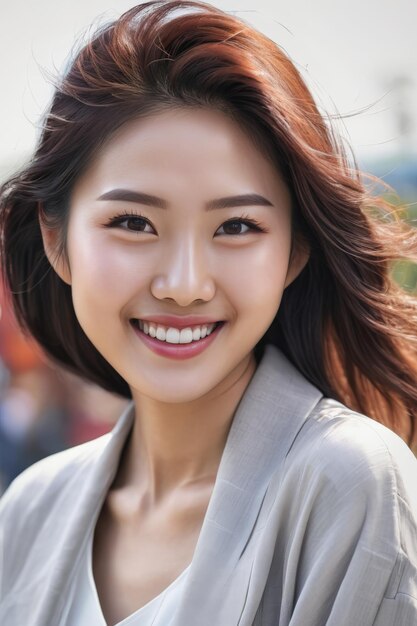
(176, 335)
(172, 342)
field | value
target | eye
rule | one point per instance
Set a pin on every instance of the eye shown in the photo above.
(134, 222)
(234, 225)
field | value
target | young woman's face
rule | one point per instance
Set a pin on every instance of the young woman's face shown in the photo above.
(131, 259)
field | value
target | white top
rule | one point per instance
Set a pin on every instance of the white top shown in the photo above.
(84, 605)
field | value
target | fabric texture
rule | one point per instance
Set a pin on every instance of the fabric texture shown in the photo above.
(312, 520)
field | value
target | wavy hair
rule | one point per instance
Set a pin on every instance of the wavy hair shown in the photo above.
(343, 322)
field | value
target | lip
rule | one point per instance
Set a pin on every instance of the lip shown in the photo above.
(178, 351)
(180, 321)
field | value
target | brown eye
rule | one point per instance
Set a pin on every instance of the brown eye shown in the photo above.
(234, 226)
(129, 222)
(135, 223)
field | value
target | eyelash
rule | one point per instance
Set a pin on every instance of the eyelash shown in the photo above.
(123, 217)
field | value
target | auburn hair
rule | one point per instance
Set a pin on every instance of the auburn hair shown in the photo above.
(344, 322)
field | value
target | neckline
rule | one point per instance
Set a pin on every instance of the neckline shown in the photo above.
(126, 621)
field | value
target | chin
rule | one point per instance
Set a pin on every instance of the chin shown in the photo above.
(173, 391)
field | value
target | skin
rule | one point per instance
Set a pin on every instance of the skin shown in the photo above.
(184, 261)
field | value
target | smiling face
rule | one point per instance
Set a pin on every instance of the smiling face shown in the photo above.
(183, 252)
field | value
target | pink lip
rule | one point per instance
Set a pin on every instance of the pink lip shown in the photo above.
(180, 321)
(177, 351)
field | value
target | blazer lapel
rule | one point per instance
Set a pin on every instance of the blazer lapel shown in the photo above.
(272, 410)
(85, 508)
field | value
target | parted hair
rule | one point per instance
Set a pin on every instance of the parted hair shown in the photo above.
(343, 322)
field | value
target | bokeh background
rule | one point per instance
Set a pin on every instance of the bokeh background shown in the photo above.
(360, 61)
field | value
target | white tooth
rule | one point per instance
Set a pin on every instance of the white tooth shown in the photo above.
(186, 335)
(160, 333)
(172, 335)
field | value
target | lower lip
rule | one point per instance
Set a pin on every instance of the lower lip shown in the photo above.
(175, 350)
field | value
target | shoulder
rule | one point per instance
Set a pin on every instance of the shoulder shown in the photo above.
(361, 466)
(44, 480)
(349, 513)
(37, 510)
(347, 443)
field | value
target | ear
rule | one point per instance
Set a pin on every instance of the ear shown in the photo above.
(298, 259)
(50, 238)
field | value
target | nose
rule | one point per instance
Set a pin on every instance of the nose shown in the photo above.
(184, 275)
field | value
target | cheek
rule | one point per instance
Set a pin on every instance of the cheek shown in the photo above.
(103, 276)
(256, 278)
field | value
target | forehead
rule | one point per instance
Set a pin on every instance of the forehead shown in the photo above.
(200, 148)
(182, 129)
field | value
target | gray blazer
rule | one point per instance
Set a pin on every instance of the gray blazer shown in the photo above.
(312, 520)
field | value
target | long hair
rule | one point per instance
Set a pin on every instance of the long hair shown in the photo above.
(344, 322)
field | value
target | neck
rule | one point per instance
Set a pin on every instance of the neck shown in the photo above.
(172, 446)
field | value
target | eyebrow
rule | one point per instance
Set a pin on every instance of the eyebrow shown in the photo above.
(128, 195)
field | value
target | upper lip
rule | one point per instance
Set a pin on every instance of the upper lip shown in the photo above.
(179, 322)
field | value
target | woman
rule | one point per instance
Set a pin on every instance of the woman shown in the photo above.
(190, 236)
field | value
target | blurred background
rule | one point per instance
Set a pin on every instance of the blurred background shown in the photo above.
(358, 58)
